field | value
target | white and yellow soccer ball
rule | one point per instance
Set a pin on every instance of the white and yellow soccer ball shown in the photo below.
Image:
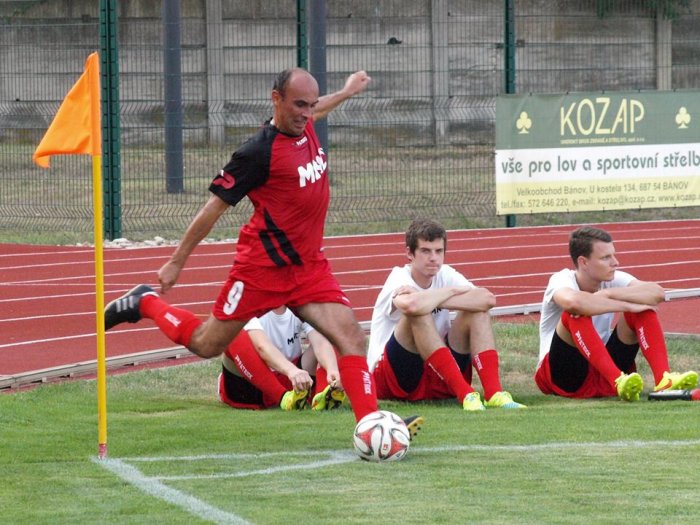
(381, 436)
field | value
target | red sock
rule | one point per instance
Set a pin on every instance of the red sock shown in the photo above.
(242, 352)
(321, 380)
(591, 345)
(445, 366)
(486, 364)
(651, 341)
(177, 324)
(358, 384)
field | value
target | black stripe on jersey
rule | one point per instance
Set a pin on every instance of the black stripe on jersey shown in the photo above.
(282, 241)
(270, 248)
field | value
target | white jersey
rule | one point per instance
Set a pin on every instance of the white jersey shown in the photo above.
(283, 330)
(384, 320)
(551, 311)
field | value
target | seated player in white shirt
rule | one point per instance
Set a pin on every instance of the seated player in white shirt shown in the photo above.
(415, 351)
(583, 353)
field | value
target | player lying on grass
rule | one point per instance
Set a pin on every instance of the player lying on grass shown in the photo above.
(267, 366)
(279, 259)
(415, 351)
(582, 353)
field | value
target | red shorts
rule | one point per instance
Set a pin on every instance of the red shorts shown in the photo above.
(251, 291)
(430, 386)
(595, 385)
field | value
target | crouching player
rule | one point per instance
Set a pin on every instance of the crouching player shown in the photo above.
(266, 365)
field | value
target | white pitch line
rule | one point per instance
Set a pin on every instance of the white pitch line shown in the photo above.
(336, 458)
(560, 446)
(344, 456)
(155, 488)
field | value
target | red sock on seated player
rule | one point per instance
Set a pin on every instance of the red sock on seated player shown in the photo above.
(445, 366)
(243, 354)
(590, 345)
(651, 341)
(486, 364)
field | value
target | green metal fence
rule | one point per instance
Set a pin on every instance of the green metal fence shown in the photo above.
(190, 80)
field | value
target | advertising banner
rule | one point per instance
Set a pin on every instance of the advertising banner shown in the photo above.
(597, 151)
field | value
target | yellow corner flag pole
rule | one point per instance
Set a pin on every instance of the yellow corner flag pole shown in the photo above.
(99, 309)
(76, 129)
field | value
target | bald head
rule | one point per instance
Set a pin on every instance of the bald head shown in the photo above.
(286, 76)
(294, 95)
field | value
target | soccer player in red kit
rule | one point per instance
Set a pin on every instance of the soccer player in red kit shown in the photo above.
(279, 260)
(583, 351)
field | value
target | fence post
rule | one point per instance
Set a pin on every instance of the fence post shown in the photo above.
(509, 65)
(302, 31)
(215, 72)
(440, 74)
(317, 59)
(663, 51)
(111, 153)
(172, 91)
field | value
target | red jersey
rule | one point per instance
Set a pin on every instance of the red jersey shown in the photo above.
(285, 178)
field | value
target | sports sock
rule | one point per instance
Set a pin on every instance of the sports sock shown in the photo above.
(591, 345)
(242, 352)
(321, 381)
(176, 323)
(445, 366)
(358, 384)
(651, 341)
(486, 364)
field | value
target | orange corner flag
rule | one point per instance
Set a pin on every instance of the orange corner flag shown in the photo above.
(76, 127)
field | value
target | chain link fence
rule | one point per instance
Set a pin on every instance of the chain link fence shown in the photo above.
(419, 141)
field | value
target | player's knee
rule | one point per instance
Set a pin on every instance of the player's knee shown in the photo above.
(205, 348)
(354, 342)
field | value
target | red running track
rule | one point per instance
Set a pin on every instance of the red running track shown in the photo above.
(47, 299)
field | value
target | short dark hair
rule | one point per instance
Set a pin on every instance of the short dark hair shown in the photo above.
(581, 241)
(280, 84)
(426, 230)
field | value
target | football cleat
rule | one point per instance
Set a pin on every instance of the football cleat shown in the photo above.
(503, 399)
(125, 309)
(328, 399)
(293, 400)
(472, 402)
(677, 381)
(413, 424)
(629, 386)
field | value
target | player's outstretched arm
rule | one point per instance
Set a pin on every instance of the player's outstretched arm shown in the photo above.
(355, 83)
(198, 229)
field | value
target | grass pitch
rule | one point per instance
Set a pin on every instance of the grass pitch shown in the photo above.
(177, 455)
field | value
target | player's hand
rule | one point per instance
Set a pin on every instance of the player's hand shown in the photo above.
(356, 83)
(334, 379)
(300, 379)
(167, 276)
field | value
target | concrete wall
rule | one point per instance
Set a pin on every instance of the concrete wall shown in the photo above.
(438, 83)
